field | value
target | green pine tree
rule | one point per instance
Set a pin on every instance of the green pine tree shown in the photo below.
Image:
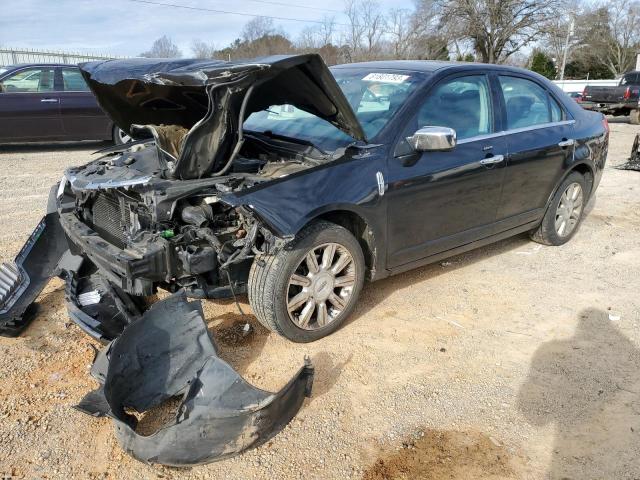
(543, 64)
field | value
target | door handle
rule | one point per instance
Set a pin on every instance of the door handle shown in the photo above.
(492, 160)
(49, 100)
(566, 143)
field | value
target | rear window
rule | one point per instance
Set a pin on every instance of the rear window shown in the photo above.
(73, 81)
(528, 104)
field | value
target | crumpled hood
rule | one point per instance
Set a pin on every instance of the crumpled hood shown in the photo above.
(205, 97)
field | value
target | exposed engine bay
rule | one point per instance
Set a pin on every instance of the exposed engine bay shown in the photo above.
(204, 245)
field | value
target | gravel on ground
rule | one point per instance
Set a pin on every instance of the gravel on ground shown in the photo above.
(512, 361)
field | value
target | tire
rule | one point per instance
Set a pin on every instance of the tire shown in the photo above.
(550, 231)
(120, 137)
(634, 117)
(271, 293)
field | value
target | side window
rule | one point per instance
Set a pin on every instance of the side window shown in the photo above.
(462, 103)
(556, 111)
(528, 104)
(630, 79)
(32, 80)
(73, 81)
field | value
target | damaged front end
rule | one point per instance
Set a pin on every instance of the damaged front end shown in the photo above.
(165, 213)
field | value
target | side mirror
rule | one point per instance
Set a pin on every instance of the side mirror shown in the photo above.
(433, 139)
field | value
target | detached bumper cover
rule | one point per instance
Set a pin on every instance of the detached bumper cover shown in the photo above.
(22, 280)
(634, 159)
(169, 352)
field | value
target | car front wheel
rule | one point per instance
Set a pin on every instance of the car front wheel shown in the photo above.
(120, 137)
(308, 289)
(564, 213)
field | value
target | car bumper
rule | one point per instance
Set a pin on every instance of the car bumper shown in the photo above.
(608, 107)
(134, 270)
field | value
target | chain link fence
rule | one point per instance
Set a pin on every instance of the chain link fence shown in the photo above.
(13, 56)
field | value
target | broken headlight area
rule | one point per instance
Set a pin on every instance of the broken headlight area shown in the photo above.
(168, 353)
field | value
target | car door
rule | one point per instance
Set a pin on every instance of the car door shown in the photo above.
(29, 105)
(82, 117)
(540, 140)
(439, 200)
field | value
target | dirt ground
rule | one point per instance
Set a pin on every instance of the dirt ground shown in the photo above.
(514, 361)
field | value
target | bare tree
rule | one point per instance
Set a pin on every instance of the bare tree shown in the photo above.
(430, 36)
(624, 24)
(202, 49)
(402, 30)
(163, 48)
(308, 39)
(559, 29)
(374, 25)
(498, 28)
(606, 39)
(326, 30)
(318, 36)
(258, 27)
(356, 30)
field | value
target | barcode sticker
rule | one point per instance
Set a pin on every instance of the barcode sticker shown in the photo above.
(385, 77)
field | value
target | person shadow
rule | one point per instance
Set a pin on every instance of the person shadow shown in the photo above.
(588, 387)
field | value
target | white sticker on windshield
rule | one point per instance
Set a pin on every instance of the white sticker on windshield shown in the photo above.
(385, 77)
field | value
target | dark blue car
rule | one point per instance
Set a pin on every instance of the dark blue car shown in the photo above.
(294, 183)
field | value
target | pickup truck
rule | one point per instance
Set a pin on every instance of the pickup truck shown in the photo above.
(623, 99)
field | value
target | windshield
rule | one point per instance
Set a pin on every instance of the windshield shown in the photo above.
(374, 96)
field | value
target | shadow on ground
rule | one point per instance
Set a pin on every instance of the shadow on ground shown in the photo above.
(375, 293)
(587, 386)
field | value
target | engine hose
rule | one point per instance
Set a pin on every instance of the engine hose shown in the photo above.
(240, 141)
(240, 255)
(207, 234)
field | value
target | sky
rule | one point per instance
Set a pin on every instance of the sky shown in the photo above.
(127, 28)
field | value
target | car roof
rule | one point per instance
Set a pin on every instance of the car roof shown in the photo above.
(413, 65)
(428, 66)
(42, 64)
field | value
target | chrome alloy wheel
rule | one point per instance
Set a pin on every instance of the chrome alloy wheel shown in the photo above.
(569, 210)
(123, 136)
(321, 286)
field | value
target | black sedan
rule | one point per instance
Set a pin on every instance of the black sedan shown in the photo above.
(51, 102)
(293, 183)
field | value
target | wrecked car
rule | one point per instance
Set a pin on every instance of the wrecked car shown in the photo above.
(292, 183)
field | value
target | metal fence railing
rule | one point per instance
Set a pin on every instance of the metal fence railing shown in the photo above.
(12, 56)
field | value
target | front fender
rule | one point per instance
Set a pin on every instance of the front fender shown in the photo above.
(289, 203)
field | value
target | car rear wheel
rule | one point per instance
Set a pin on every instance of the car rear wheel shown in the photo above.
(120, 137)
(565, 212)
(308, 289)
